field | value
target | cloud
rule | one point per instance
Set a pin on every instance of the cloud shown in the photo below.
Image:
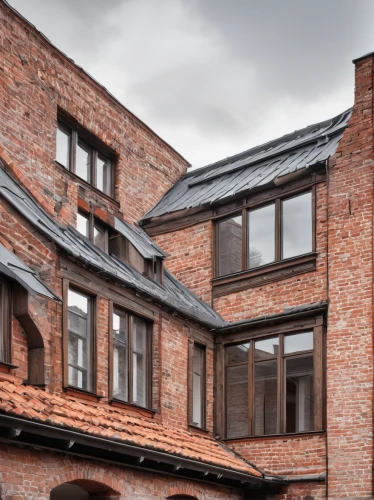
(214, 77)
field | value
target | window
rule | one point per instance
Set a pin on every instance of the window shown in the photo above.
(80, 354)
(5, 322)
(198, 396)
(92, 229)
(263, 235)
(273, 385)
(131, 358)
(79, 155)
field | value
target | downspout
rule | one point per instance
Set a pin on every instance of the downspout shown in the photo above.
(328, 302)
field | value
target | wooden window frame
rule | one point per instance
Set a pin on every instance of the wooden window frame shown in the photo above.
(95, 222)
(278, 269)
(6, 321)
(98, 150)
(113, 307)
(191, 347)
(315, 325)
(65, 335)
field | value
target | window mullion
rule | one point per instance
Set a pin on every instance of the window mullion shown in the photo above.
(250, 389)
(281, 390)
(244, 240)
(130, 354)
(93, 167)
(73, 150)
(278, 230)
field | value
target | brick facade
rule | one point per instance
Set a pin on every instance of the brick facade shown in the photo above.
(37, 81)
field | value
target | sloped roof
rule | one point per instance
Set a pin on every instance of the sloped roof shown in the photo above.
(111, 423)
(139, 238)
(172, 294)
(256, 168)
(15, 269)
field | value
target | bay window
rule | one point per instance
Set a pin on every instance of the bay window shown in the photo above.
(273, 384)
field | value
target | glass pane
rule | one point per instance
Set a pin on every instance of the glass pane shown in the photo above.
(266, 397)
(120, 356)
(230, 246)
(237, 354)
(299, 394)
(79, 340)
(139, 369)
(265, 349)
(99, 238)
(237, 401)
(104, 175)
(63, 147)
(297, 226)
(197, 382)
(298, 342)
(83, 161)
(261, 236)
(83, 225)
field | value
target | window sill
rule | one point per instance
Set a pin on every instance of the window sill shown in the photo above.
(194, 428)
(259, 276)
(132, 407)
(293, 435)
(87, 185)
(6, 367)
(81, 393)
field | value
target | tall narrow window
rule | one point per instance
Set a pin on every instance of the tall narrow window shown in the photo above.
(198, 386)
(130, 359)
(261, 236)
(297, 225)
(63, 141)
(270, 385)
(80, 345)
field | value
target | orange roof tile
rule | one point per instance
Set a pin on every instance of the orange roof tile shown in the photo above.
(111, 423)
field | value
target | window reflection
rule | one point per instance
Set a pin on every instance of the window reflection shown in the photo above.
(261, 236)
(297, 225)
(63, 147)
(83, 161)
(230, 246)
(83, 225)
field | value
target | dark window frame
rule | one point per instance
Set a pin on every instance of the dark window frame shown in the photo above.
(6, 320)
(113, 307)
(67, 284)
(78, 134)
(315, 325)
(94, 222)
(279, 262)
(203, 398)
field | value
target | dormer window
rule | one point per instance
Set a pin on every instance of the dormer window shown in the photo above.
(83, 154)
(92, 229)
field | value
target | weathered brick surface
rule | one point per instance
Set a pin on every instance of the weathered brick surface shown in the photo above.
(36, 80)
(32, 475)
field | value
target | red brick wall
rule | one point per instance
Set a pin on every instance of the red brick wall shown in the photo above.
(190, 257)
(30, 474)
(350, 322)
(30, 94)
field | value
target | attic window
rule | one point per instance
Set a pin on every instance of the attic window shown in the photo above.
(94, 230)
(81, 152)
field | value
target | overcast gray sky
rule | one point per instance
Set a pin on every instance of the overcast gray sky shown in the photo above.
(215, 77)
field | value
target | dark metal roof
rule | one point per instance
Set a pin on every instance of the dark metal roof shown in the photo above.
(140, 239)
(172, 294)
(13, 267)
(256, 168)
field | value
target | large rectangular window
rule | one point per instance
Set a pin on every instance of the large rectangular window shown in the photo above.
(80, 340)
(82, 157)
(264, 235)
(131, 358)
(270, 385)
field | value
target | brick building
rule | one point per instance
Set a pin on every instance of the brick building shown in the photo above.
(170, 334)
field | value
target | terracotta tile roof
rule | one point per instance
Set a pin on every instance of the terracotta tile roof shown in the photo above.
(111, 423)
